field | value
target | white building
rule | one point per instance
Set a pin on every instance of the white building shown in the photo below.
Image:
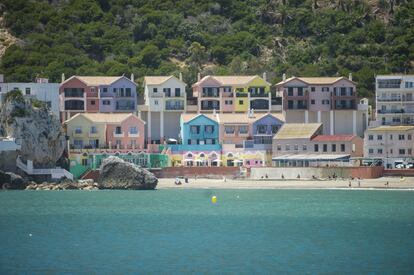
(165, 101)
(392, 145)
(41, 90)
(394, 99)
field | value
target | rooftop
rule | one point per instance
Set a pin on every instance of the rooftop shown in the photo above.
(238, 118)
(297, 130)
(386, 128)
(103, 117)
(315, 157)
(158, 80)
(231, 80)
(315, 80)
(333, 138)
(98, 80)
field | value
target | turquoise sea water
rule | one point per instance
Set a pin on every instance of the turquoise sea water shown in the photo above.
(181, 231)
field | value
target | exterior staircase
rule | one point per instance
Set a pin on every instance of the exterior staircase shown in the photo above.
(56, 173)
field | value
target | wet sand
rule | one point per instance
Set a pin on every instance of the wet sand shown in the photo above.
(394, 183)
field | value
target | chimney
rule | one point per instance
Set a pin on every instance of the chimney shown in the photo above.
(181, 76)
(250, 113)
(284, 77)
(265, 76)
(198, 77)
(132, 77)
(350, 76)
(63, 77)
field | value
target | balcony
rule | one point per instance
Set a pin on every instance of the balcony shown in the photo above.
(211, 94)
(93, 134)
(259, 95)
(125, 108)
(118, 134)
(133, 135)
(241, 94)
(77, 134)
(399, 111)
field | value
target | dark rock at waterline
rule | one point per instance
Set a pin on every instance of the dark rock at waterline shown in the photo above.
(10, 180)
(118, 174)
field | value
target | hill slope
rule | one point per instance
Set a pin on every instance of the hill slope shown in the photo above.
(313, 37)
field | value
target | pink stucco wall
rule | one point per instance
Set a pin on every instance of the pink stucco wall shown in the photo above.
(131, 121)
(236, 138)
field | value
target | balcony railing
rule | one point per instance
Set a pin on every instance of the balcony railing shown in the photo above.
(174, 107)
(133, 135)
(210, 107)
(259, 95)
(118, 134)
(390, 111)
(241, 95)
(394, 99)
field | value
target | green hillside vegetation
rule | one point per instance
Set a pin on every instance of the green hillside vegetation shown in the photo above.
(155, 37)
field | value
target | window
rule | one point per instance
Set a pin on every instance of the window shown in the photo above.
(342, 147)
(78, 130)
(78, 143)
(370, 137)
(209, 129)
(325, 147)
(296, 147)
(27, 91)
(300, 91)
(118, 130)
(133, 130)
(304, 147)
(93, 130)
(92, 102)
(243, 129)
(409, 136)
(401, 151)
(155, 102)
(261, 129)
(167, 91)
(287, 147)
(128, 92)
(391, 151)
(325, 89)
(195, 129)
(177, 92)
(409, 152)
(290, 91)
(379, 151)
(371, 151)
(391, 137)
(106, 102)
(313, 101)
(229, 129)
(279, 147)
(228, 102)
(351, 90)
(316, 148)
(408, 84)
(275, 128)
(313, 89)
(114, 90)
(105, 90)
(401, 137)
(241, 102)
(379, 137)
(333, 147)
(154, 90)
(118, 142)
(343, 91)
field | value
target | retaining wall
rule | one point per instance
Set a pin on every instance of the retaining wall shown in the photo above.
(210, 172)
(399, 172)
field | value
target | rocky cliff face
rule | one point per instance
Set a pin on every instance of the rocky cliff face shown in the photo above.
(39, 132)
(118, 174)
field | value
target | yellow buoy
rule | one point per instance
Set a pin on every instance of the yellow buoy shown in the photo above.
(213, 199)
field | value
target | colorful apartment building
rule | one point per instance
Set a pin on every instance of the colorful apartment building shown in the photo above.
(165, 101)
(331, 101)
(97, 94)
(303, 145)
(232, 94)
(103, 131)
(394, 99)
(40, 90)
(393, 146)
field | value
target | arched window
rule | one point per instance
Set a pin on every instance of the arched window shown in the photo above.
(229, 155)
(189, 155)
(202, 155)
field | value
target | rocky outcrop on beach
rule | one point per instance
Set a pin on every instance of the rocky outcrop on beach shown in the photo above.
(36, 129)
(64, 185)
(12, 181)
(118, 174)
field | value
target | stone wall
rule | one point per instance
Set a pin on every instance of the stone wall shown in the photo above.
(210, 172)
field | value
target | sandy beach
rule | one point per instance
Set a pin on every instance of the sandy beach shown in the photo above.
(394, 183)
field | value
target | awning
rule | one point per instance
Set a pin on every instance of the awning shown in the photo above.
(188, 160)
(313, 157)
(216, 160)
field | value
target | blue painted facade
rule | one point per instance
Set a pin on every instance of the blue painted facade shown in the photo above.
(263, 131)
(120, 96)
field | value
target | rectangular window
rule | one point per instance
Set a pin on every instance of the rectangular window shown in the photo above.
(325, 89)
(78, 143)
(409, 136)
(409, 152)
(296, 147)
(401, 137)
(313, 89)
(371, 151)
(304, 147)
(333, 147)
(167, 92)
(92, 102)
(128, 92)
(229, 129)
(325, 147)
(118, 142)
(133, 130)
(342, 147)
(370, 137)
(300, 91)
(316, 148)
(115, 90)
(209, 129)
(379, 151)
(154, 90)
(379, 137)
(275, 128)
(27, 91)
(287, 147)
(177, 92)
(290, 91)
(105, 90)
(155, 102)
(343, 91)
(261, 129)
(93, 130)
(279, 147)
(241, 102)
(106, 102)
(312, 101)
(78, 130)
(401, 151)
(243, 129)
(390, 137)
(118, 130)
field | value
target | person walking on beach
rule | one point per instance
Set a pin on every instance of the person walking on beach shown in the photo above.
(386, 185)
(359, 184)
(349, 185)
